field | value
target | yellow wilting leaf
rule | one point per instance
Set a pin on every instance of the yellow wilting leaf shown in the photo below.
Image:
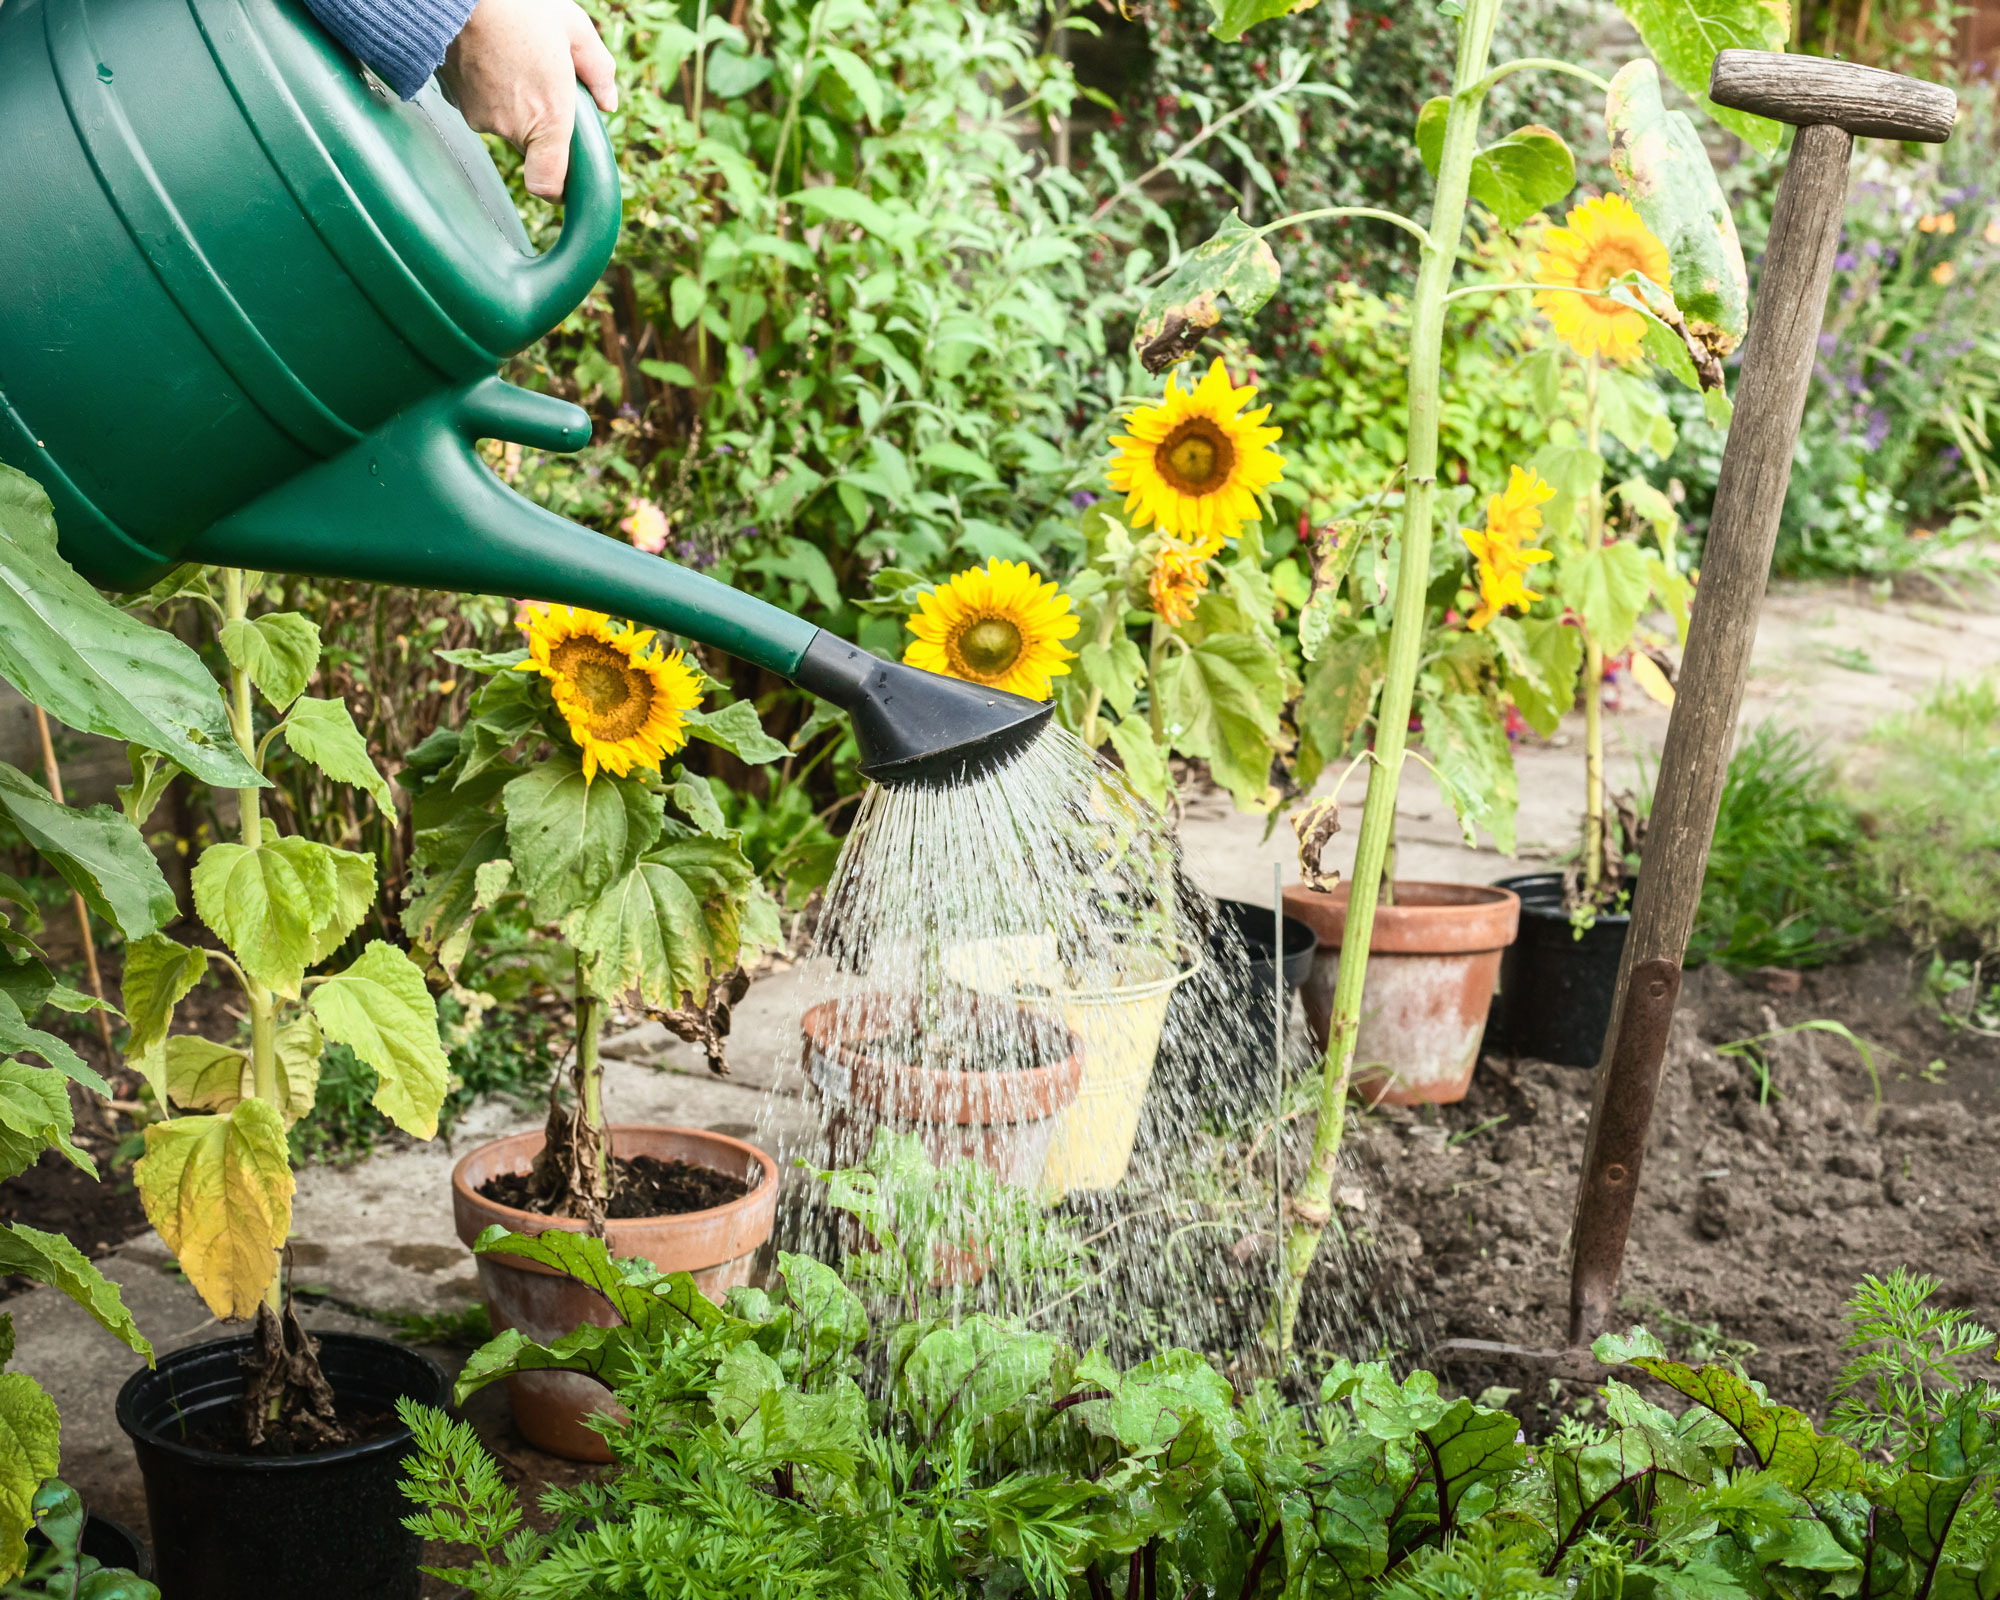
(219, 1189)
(1647, 675)
(203, 1076)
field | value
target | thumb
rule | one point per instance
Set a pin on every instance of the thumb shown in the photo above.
(546, 167)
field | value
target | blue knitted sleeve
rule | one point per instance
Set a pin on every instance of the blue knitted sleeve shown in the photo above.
(400, 41)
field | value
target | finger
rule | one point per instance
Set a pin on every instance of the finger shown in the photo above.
(594, 66)
(546, 167)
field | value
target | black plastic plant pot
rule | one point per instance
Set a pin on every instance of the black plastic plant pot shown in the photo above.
(323, 1526)
(1557, 989)
(1221, 1064)
(108, 1543)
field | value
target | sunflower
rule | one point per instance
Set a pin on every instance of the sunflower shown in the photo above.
(624, 701)
(1180, 573)
(1604, 239)
(997, 625)
(1511, 519)
(1195, 462)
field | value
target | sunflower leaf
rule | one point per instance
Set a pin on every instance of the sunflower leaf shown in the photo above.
(1145, 761)
(30, 1451)
(669, 925)
(158, 975)
(219, 1190)
(259, 907)
(1666, 173)
(98, 853)
(1236, 264)
(572, 837)
(35, 1115)
(383, 1011)
(1687, 35)
(204, 1076)
(1467, 742)
(322, 732)
(1223, 697)
(50, 1258)
(1607, 587)
(280, 652)
(1234, 17)
(737, 729)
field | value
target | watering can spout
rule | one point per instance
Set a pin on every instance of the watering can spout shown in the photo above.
(414, 504)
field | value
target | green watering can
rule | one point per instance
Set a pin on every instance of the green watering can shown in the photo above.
(251, 310)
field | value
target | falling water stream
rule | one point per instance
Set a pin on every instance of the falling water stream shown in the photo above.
(993, 927)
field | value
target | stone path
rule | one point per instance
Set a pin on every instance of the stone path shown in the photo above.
(377, 1236)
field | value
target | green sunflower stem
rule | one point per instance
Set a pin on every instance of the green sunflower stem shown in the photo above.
(262, 1003)
(1593, 664)
(1310, 1209)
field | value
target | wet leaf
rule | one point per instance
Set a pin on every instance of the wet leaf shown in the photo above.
(219, 1190)
(383, 1011)
(98, 853)
(978, 1369)
(1666, 173)
(322, 732)
(50, 1258)
(72, 652)
(1687, 35)
(1235, 265)
(279, 651)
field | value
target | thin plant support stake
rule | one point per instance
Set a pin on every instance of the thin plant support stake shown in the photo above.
(53, 773)
(1311, 1206)
(1277, 1075)
(1830, 103)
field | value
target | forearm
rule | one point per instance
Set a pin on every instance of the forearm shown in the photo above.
(401, 41)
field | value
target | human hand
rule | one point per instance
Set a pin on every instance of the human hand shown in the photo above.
(513, 71)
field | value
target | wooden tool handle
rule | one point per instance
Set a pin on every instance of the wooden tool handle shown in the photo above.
(1778, 361)
(1803, 90)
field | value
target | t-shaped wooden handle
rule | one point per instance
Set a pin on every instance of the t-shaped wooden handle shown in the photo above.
(1830, 103)
(1810, 90)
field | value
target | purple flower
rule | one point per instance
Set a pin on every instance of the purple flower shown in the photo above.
(1952, 455)
(724, 450)
(1082, 499)
(1828, 343)
(750, 532)
(1878, 429)
(692, 554)
(629, 411)
(1846, 261)
(1872, 249)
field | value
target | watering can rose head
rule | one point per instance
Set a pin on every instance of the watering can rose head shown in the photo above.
(624, 699)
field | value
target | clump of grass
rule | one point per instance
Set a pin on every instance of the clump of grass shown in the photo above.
(1931, 816)
(1785, 885)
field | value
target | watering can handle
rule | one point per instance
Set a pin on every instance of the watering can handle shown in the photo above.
(552, 285)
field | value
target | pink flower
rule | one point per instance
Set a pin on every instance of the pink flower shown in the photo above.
(645, 524)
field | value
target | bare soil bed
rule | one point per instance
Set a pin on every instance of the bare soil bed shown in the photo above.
(1759, 1207)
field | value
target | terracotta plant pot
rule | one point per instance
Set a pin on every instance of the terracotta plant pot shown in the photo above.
(1002, 1119)
(1433, 961)
(717, 1246)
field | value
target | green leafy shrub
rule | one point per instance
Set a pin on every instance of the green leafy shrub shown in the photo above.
(1932, 847)
(784, 1443)
(1784, 885)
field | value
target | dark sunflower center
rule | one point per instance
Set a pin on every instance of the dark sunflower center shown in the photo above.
(617, 695)
(990, 646)
(1196, 458)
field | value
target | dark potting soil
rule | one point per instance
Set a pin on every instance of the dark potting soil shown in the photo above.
(646, 1187)
(1762, 1201)
(95, 1214)
(222, 1430)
